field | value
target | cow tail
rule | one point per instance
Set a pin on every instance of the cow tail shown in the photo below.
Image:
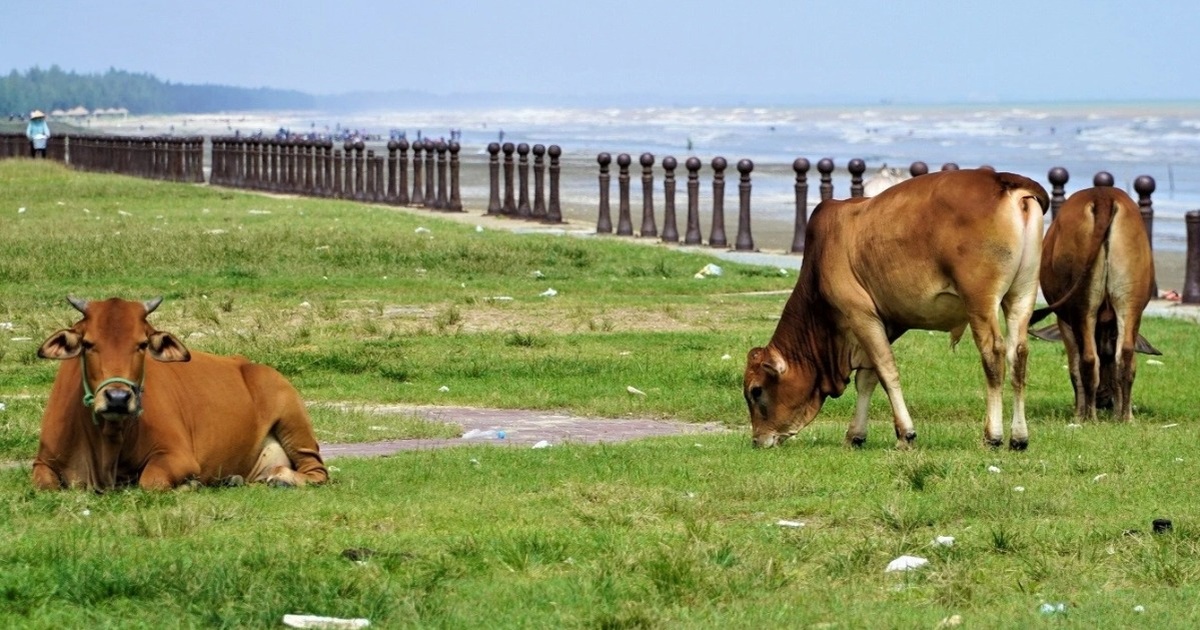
(1102, 225)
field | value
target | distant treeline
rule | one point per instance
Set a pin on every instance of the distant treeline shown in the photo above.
(139, 93)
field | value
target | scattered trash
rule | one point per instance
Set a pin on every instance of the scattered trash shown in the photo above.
(21, 210)
(1139, 609)
(259, 211)
(1074, 425)
(215, 231)
(943, 541)
(1050, 609)
(709, 270)
(542, 444)
(379, 428)
(86, 512)
(6, 325)
(538, 274)
(1019, 489)
(786, 523)
(474, 462)
(905, 563)
(633, 390)
(500, 298)
(478, 228)
(316, 621)
(993, 469)
(1178, 460)
(549, 293)
(484, 434)
(1161, 525)
(624, 353)
(124, 213)
(1153, 362)
(443, 389)
(1169, 426)
(423, 230)
(1099, 477)
(725, 357)
(783, 272)
(1170, 295)
(22, 339)
(305, 305)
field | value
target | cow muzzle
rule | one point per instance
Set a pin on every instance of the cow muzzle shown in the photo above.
(113, 399)
(117, 401)
(768, 440)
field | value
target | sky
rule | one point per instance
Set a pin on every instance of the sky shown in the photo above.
(699, 51)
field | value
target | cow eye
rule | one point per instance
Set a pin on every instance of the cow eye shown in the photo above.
(87, 345)
(755, 392)
(142, 346)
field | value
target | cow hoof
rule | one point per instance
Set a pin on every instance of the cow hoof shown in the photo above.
(235, 481)
(992, 442)
(908, 442)
(856, 441)
(1018, 445)
(279, 482)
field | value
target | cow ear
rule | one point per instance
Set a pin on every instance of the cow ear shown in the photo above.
(1144, 347)
(773, 363)
(64, 344)
(166, 348)
(1048, 333)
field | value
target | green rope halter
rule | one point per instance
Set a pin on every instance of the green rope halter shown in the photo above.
(89, 396)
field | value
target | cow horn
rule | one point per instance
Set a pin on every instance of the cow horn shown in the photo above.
(80, 305)
(152, 304)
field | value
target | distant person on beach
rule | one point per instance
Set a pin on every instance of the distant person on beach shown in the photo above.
(38, 133)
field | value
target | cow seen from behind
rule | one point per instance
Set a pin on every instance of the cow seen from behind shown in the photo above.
(132, 405)
(1097, 272)
(936, 252)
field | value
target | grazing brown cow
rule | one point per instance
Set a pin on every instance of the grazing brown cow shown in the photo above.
(114, 418)
(936, 252)
(1098, 272)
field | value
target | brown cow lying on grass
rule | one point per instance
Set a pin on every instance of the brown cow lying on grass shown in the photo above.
(1098, 272)
(115, 418)
(935, 252)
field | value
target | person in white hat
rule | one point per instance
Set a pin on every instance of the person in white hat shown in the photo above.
(38, 133)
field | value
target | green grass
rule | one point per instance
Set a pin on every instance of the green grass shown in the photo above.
(358, 309)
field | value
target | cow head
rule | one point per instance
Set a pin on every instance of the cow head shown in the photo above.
(783, 397)
(112, 341)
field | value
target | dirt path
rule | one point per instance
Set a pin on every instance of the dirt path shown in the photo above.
(521, 428)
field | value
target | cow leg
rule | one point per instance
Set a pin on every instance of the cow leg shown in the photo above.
(1089, 367)
(873, 338)
(1017, 313)
(1071, 341)
(166, 472)
(865, 380)
(985, 329)
(1125, 364)
(291, 427)
(45, 478)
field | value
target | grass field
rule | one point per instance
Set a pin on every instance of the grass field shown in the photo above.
(355, 304)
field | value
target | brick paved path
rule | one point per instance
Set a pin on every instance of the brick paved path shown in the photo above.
(521, 428)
